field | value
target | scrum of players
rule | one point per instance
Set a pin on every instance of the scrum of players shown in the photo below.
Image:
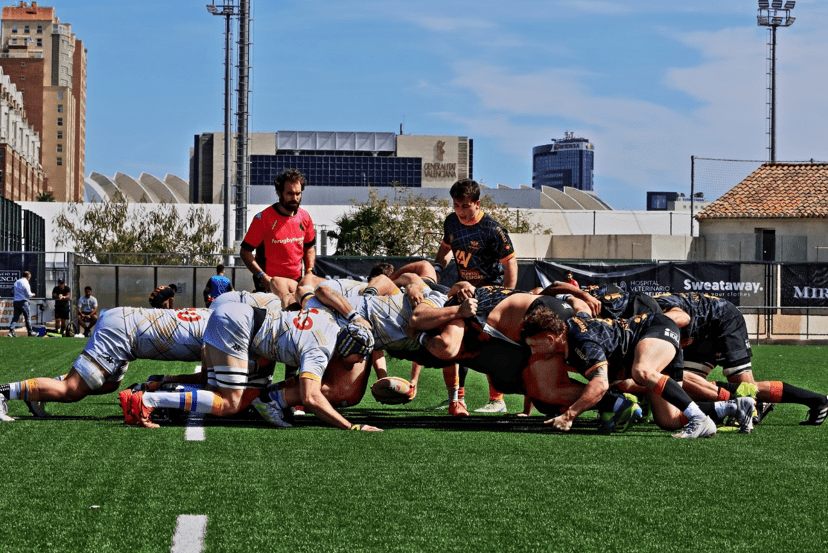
(567, 349)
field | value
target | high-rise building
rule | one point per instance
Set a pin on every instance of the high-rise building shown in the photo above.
(564, 163)
(45, 61)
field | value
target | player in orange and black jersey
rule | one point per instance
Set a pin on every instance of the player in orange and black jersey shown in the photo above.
(714, 332)
(618, 303)
(484, 255)
(644, 348)
(609, 301)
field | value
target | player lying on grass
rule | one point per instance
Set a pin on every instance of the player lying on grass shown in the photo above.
(308, 339)
(122, 335)
(643, 348)
(713, 332)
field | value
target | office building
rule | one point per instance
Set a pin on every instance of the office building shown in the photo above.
(336, 159)
(47, 64)
(564, 163)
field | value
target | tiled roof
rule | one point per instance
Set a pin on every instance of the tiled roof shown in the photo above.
(23, 11)
(775, 190)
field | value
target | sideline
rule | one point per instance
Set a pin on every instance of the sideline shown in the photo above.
(189, 534)
(194, 431)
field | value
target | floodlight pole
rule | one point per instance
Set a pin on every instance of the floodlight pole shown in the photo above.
(773, 15)
(242, 160)
(228, 11)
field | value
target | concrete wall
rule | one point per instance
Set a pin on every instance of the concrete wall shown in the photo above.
(797, 240)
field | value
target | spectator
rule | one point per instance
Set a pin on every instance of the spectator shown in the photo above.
(22, 293)
(163, 297)
(63, 303)
(285, 232)
(217, 285)
(570, 280)
(87, 311)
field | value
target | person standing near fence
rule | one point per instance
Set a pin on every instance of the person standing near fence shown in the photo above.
(63, 303)
(216, 286)
(22, 294)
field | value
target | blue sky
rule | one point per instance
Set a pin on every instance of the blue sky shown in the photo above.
(649, 83)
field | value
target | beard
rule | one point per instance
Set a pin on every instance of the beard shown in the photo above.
(290, 205)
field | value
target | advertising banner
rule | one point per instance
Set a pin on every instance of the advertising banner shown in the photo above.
(804, 285)
(357, 268)
(717, 279)
(12, 265)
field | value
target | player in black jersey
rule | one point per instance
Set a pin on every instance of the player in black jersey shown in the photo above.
(714, 332)
(484, 255)
(608, 301)
(492, 345)
(645, 348)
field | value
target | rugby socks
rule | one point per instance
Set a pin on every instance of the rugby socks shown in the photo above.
(452, 380)
(25, 389)
(277, 397)
(200, 401)
(782, 392)
(672, 393)
(494, 395)
(727, 390)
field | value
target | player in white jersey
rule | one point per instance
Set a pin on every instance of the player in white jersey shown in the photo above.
(255, 299)
(122, 334)
(309, 339)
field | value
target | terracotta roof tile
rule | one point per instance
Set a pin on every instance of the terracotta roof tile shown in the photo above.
(783, 190)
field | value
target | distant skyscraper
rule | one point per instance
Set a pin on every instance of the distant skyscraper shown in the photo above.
(568, 162)
(42, 57)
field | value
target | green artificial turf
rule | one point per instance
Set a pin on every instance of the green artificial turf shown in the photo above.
(428, 483)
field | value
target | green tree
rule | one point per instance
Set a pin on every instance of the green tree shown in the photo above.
(45, 197)
(110, 227)
(409, 225)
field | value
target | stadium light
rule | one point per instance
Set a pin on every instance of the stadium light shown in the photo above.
(227, 11)
(773, 16)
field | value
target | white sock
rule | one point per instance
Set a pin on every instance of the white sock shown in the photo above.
(200, 401)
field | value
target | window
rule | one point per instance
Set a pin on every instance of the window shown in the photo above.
(60, 135)
(14, 41)
(60, 95)
(59, 161)
(60, 148)
(40, 29)
(14, 29)
(40, 42)
(60, 121)
(26, 29)
(22, 77)
(60, 108)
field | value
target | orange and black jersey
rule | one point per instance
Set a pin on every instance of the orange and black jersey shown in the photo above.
(488, 297)
(479, 249)
(611, 342)
(617, 303)
(706, 312)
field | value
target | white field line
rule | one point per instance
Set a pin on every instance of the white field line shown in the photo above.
(194, 431)
(189, 534)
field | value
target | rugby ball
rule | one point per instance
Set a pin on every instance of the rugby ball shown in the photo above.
(391, 390)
